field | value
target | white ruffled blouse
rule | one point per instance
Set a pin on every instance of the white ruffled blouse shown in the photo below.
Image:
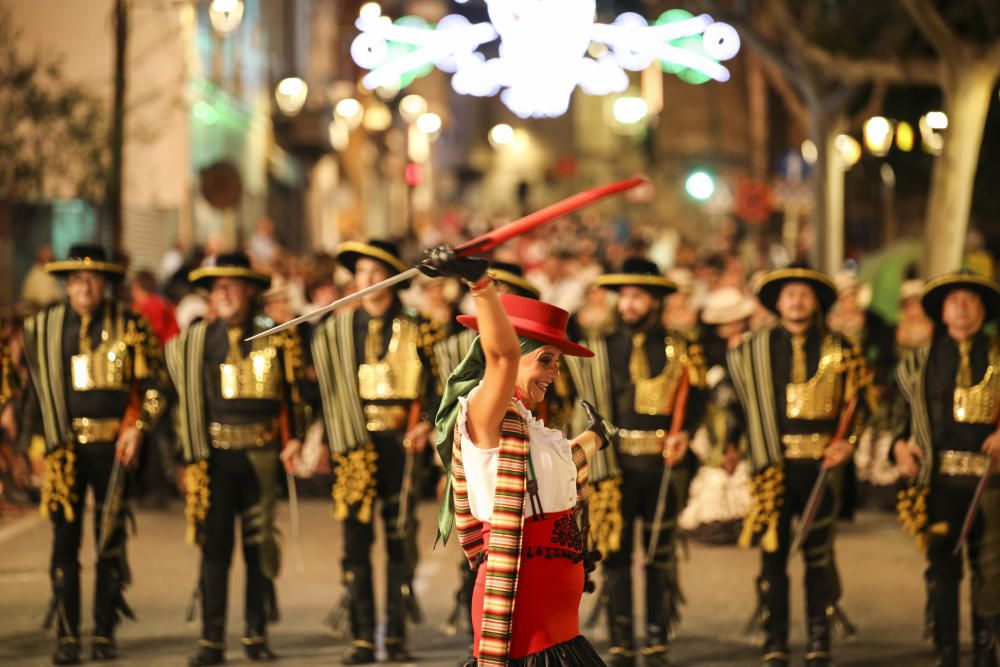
(551, 454)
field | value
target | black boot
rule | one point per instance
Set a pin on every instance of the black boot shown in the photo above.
(67, 652)
(358, 581)
(984, 641)
(946, 655)
(256, 648)
(818, 643)
(662, 603)
(618, 587)
(773, 592)
(103, 648)
(207, 653)
(399, 592)
(361, 653)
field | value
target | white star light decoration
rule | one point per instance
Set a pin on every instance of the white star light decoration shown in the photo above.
(545, 51)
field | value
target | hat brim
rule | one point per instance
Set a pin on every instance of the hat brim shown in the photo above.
(658, 285)
(936, 291)
(521, 286)
(349, 252)
(530, 329)
(65, 267)
(772, 284)
(204, 277)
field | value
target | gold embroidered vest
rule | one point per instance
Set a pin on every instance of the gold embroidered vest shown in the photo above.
(980, 403)
(399, 374)
(655, 395)
(109, 367)
(255, 376)
(820, 396)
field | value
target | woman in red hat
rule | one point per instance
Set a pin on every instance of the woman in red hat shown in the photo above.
(518, 488)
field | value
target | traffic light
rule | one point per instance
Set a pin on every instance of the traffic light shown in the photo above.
(700, 185)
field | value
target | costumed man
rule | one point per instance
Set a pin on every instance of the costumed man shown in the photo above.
(96, 387)
(372, 366)
(634, 379)
(947, 441)
(240, 403)
(797, 383)
(508, 278)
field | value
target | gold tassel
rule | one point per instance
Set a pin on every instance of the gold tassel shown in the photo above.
(57, 489)
(354, 483)
(196, 498)
(766, 490)
(605, 515)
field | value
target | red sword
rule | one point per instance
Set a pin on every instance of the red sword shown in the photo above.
(483, 243)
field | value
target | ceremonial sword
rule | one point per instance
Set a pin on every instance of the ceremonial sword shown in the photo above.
(112, 505)
(816, 495)
(293, 512)
(977, 498)
(483, 243)
(680, 407)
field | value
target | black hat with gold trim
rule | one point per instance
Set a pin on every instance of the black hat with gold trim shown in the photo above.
(86, 257)
(384, 252)
(642, 273)
(230, 265)
(937, 289)
(512, 276)
(771, 284)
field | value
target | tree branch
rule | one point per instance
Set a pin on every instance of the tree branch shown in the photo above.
(876, 100)
(850, 69)
(781, 85)
(932, 26)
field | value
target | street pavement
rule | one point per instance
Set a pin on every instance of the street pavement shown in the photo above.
(880, 567)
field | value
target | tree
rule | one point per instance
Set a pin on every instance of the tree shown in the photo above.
(53, 135)
(959, 51)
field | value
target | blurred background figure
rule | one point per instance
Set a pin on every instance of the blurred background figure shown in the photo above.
(41, 288)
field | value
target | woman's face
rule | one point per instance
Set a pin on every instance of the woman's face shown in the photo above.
(536, 371)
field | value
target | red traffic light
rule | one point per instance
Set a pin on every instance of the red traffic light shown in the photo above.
(414, 174)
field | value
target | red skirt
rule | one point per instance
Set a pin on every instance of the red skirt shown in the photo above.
(549, 586)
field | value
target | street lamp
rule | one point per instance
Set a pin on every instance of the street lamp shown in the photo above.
(849, 150)
(290, 94)
(412, 107)
(429, 123)
(225, 15)
(878, 133)
(350, 110)
(501, 135)
(700, 185)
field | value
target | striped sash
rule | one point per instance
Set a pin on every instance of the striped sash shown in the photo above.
(504, 562)
(185, 355)
(592, 380)
(750, 370)
(910, 375)
(43, 352)
(337, 375)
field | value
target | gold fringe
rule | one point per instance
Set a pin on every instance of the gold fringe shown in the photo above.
(354, 483)
(57, 488)
(197, 499)
(911, 504)
(606, 516)
(767, 489)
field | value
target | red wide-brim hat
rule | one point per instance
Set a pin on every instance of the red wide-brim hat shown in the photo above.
(536, 320)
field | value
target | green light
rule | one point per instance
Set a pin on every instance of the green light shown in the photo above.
(700, 185)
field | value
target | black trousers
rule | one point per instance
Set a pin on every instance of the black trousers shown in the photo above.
(641, 476)
(401, 550)
(947, 504)
(817, 549)
(242, 485)
(93, 470)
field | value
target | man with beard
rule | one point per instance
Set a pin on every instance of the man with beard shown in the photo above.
(372, 366)
(794, 381)
(96, 381)
(946, 442)
(240, 402)
(634, 380)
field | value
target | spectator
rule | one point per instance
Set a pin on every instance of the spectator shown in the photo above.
(157, 310)
(41, 288)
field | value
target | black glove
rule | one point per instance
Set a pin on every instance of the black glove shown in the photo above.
(597, 424)
(442, 262)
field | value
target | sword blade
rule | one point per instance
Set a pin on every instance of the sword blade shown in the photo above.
(404, 492)
(970, 514)
(809, 514)
(661, 509)
(293, 511)
(109, 510)
(339, 303)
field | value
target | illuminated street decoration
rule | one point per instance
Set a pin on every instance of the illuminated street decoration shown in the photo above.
(543, 51)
